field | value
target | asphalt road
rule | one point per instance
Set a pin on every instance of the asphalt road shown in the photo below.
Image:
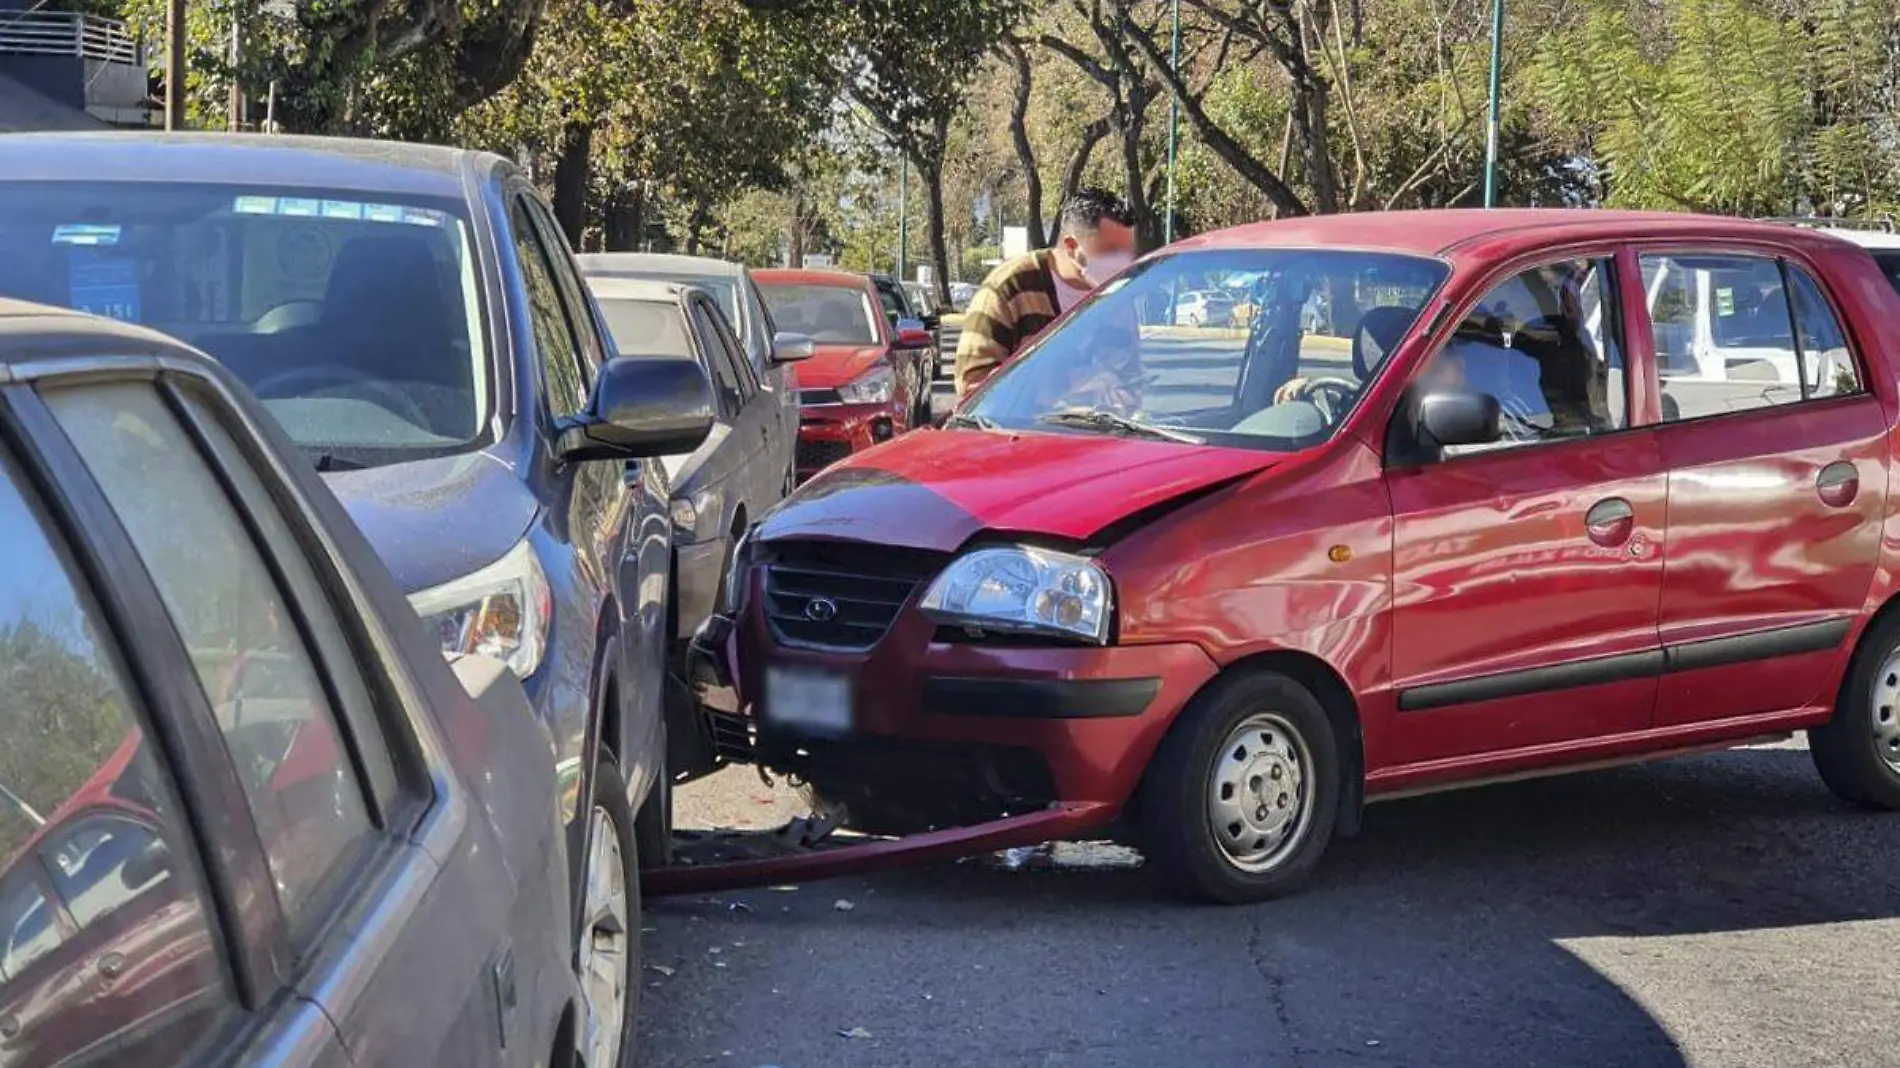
(1720, 910)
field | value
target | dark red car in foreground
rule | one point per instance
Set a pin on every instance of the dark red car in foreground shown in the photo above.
(1220, 587)
(868, 379)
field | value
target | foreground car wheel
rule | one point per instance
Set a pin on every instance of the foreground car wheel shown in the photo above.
(1241, 798)
(608, 956)
(1858, 751)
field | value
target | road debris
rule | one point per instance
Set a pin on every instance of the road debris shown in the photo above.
(855, 1032)
(662, 969)
(843, 905)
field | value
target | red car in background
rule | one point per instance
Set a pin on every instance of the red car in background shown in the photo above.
(1218, 588)
(868, 379)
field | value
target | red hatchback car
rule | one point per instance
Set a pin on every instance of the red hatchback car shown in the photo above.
(867, 380)
(1473, 495)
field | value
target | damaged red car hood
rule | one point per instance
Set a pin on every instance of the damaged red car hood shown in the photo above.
(933, 489)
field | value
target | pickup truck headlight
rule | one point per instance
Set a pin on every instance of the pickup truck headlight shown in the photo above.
(502, 611)
(1025, 590)
(876, 386)
(689, 512)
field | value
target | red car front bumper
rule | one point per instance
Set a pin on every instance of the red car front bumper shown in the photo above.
(828, 433)
(1089, 716)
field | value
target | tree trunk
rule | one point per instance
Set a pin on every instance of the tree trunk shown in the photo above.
(1092, 135)
(626, 222)
(932, 173)
(1133, 116)
(571, 172)
(1019, 134)
(695, 229)
(1309, 127)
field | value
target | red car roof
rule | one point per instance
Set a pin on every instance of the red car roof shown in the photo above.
(1436, 233)
(793, 276)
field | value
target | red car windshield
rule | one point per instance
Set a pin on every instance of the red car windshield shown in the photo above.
(1278, 370)
(829, 315)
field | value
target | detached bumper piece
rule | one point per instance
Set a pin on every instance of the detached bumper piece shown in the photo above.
(863, 855)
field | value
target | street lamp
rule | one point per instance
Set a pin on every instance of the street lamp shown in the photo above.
(1491, 118)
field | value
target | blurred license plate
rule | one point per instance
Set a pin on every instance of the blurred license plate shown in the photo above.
(815, 702)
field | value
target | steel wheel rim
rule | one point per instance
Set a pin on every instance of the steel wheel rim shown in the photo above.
(1884, 712)
(1259, 792)
(604, 942)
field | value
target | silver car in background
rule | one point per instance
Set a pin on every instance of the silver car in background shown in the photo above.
(731, 287)
(721, 488)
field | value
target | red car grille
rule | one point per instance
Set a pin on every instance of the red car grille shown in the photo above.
(813, 455)
(841, 597)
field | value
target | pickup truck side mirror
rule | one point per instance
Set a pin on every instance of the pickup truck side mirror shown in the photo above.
(791, 348)
(641, 406)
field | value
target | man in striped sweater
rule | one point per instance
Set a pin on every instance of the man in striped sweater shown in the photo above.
(1095, 240)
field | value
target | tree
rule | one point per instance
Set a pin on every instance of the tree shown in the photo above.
(907, 64)
(1110, 62)
(694, 98)
(1264, 33)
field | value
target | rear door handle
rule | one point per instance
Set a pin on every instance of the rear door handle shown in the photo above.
(1838, 484)
(1610, 522)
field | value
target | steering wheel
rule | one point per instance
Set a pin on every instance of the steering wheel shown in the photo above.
(311, 380)
(1332, 396)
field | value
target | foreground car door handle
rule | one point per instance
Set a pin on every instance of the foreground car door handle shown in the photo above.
(1838, 484)
(1610, 522)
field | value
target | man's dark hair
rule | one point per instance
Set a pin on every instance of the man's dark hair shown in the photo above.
(1084, 210)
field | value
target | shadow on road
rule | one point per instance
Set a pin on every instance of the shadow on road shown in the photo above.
(1501, 926)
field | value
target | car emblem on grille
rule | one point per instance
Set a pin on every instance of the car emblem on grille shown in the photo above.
(821, 609)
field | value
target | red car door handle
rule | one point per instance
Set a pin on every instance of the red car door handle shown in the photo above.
(1610, 522)
(1838, 484)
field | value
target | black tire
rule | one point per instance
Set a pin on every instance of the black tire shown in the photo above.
(653, 825)
(610, 796)
(1847, 750)
(1177, 829)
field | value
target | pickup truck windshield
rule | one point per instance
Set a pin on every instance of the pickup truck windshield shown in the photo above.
(355, 317)
(1298, 334)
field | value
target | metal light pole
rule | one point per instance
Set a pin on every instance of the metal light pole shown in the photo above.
(175, 64)
(1491, 118)
(903, 217)
(1174, 118)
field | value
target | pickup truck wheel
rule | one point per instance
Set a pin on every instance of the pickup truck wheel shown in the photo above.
(1858, 751)
(607, 958)
(1242, 795)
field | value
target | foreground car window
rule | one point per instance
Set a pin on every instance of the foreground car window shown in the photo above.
(1128, 360)
(250, 658)
(355, 318)
(829, 315)
(96, 878)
